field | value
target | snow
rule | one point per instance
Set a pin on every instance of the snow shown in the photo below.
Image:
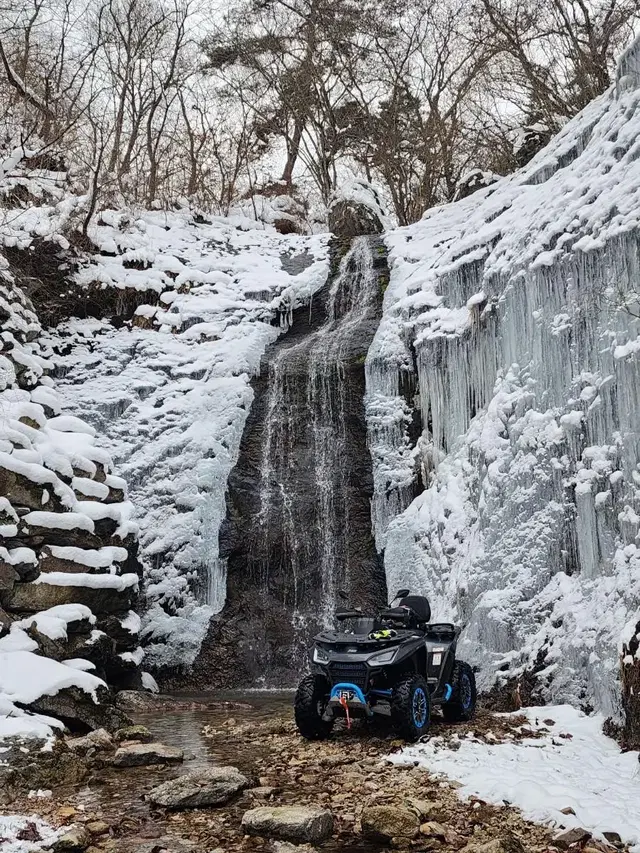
(573, 765)
(117, 582)
(169, 395)
(507, 333)
(60, 521)
(102, 558)
(149, 683)
(24, 677)
(10, 826)
(54, 621)
(69, 423)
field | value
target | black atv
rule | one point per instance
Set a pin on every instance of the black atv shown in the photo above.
(398, 664)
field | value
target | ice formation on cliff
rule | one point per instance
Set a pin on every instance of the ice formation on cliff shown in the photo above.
(511, 323)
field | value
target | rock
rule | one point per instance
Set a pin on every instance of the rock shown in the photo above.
(506, 844)
(613, 837)
(99, 740)
(8, 578)
(263, 792)
(5, 622)
(137, 700)
(126, 641)
(349, 219)
(26, 569)
(22, 491)
(139, 733)
(74, 841)
(78, 710)
(32, 767)
(203, 788)
(97, 827)
(287, 847)
(432, 829)
(386, 822)
(571, 836)
(142, 754)
(290, 823)
(33, 597)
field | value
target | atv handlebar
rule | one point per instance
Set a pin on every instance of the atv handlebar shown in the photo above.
(341, 615)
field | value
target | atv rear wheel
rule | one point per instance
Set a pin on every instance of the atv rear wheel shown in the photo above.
(462, 705)
(411, 707)
(311, 700)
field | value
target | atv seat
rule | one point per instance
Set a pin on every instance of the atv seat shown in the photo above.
(420, 606)
(441, 632)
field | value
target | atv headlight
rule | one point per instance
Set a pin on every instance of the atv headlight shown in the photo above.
(383, 658)
(320, 655)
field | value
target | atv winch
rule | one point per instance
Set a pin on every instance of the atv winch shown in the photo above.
(398, 664)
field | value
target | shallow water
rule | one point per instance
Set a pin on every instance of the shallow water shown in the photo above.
(118, 795)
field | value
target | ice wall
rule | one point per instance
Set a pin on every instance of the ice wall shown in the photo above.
(511, 328)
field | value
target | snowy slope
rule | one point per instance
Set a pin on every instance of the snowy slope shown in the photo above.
(569, 775)
(514, 316)
(171, 392)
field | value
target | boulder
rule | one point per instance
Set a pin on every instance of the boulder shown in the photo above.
(20, 490)
(33, 597)
(126, 641)
(137, 733)
(204, 788)
(387, 822)
(136, 701)
(99, 740)
(29, 766)
(27, 569)
(290, 823)
(78, 710)
(143, 754)
(75, 840)
(570, 837)
(33, 535)
(348, 219)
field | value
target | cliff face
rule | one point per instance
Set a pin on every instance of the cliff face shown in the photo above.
(511, 336)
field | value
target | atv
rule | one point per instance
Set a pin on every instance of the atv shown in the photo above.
(397, 664)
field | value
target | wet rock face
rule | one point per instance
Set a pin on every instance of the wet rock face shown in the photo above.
(299, 522)
(630, 678)
(349, 219)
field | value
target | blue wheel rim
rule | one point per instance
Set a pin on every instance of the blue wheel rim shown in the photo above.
(420, 708)
(465, 692)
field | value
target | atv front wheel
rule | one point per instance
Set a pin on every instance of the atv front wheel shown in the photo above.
(462, 705)
(310, 702)
(411, 707)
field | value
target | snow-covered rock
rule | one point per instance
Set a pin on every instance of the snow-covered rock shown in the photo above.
(52, 473)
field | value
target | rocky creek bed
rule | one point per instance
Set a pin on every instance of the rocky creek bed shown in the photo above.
(338, 796)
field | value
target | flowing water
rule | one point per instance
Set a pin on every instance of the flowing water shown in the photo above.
(308, 388)
(300, 496)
